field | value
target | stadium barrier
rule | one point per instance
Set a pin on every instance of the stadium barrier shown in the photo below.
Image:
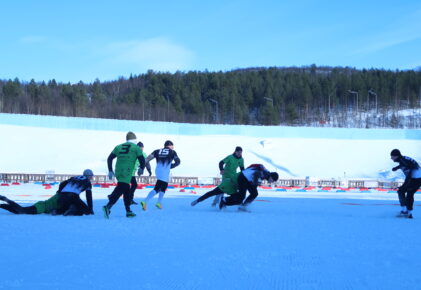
(188, 181)
(50, 178)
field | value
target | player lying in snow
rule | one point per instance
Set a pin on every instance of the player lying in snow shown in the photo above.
(65, 202)
(247, 180)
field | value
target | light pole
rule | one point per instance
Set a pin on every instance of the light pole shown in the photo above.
(216, 109)
(168, 108)
(328, 101)
(354, 92)
(370, 91)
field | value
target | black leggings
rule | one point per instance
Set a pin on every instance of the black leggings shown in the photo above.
(121, 189)
(71, 200)
(133, 186)
(208, 194)
(15, 208)
(407, 191)
(243, 186)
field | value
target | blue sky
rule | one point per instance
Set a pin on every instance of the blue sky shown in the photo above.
(84, 40)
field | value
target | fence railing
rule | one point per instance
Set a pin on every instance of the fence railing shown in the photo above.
(183, 180)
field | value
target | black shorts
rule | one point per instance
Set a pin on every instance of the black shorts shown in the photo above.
(160, 186)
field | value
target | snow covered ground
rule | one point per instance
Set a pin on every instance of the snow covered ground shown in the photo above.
(341, 241)
(36, 144)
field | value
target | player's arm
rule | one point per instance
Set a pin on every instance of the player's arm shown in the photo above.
(148, 168)
(176, 161)
(150, 157)
(110, 161)
(242, 165)
(256, 178)
(62, 185)
(221, 166)
(141, 164)
(89, 200)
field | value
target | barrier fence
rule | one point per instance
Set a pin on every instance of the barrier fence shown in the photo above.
(182, 180)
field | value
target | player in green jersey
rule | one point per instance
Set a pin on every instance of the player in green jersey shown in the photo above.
(137, 171)
(228, 186)
(126, 155)
(229, 171)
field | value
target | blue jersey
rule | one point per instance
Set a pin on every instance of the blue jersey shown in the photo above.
(410, 167)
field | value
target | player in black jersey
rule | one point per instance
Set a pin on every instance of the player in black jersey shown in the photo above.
(164, 163)
(69, 202)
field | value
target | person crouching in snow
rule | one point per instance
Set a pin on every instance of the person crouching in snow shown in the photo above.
(412, 182)
(248, 180)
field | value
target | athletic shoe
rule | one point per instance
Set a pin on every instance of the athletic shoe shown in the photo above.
(222, 204)
(143, 204)
(158, 205)
(133, 202)
(410, 216)
(403, 213)
(243, 208)
(106, 211)
(130, 214)
(194, 202)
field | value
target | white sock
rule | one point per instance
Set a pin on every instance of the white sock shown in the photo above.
(403, 208)
(409, 211)
(161, 196)
(150, 195)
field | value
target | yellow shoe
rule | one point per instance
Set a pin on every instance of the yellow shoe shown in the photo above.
(158, 205)
(143, 204)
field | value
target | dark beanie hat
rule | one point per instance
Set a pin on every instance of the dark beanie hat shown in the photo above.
(395, 152)
(168, 143)
(274, 176)
(140, 144)
(238, 148)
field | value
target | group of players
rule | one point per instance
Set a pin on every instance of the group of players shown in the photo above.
(132, 160)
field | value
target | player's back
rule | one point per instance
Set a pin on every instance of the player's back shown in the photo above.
(164, 158)
(127, 154)
(77, 184)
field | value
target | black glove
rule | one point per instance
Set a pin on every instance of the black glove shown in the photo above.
(395, 168)
(139, 171)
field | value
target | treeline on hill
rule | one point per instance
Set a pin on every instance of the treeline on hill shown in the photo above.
(264, 96)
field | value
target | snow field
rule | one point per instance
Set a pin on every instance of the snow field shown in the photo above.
(285, 243)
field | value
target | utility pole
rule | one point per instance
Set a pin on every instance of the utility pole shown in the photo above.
(168, 108)
(356, 93)
(370, 91)
(216, 109)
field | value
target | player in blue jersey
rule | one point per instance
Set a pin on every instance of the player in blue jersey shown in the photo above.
(412, 183)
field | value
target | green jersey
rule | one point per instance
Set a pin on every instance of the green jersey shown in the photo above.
(127, 154)
(136, 165)
(229, 185)
(231, 164)
(48, 205)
